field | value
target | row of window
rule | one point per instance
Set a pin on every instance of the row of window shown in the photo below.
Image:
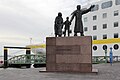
(104, 15)
(116, 35)
(116, 47)
(106, 5)
(116, 24)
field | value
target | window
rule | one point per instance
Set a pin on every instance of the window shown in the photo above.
(115, 35)
(95, 8)
(85, 29)
(116, 13)
(117, 2)
(104, 26)
(104, 15)
(104, 47)
(85, 19)
(115, 24)
(116, 46)
(105, 36)
(95, 17)
(94, 37)
(95, 27)
(95, 48)
(106, 4)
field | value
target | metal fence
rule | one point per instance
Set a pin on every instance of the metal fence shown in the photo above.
(104, 59)
(28, 59)
(41, 59)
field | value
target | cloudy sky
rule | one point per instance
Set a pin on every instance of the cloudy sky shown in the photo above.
(21, 20)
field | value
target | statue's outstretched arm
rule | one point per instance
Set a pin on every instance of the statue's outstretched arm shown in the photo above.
(87, 10)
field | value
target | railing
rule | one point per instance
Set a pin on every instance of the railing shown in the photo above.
(41, 59)
(104, 59)
(28, 59)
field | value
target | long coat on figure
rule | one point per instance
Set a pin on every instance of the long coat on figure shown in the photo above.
(78, 19)
(58, 25)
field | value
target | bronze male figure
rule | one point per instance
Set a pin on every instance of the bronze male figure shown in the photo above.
(78, 19)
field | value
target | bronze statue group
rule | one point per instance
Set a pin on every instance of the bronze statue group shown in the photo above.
(78, 28)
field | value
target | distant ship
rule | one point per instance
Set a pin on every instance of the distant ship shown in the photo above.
(103, 24)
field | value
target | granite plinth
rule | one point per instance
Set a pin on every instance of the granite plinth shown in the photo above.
(69, 54)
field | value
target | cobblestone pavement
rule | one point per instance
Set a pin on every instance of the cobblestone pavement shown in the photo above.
(106, 72)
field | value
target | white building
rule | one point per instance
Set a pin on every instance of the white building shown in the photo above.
(103, 24)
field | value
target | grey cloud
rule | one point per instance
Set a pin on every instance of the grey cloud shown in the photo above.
(31, 18)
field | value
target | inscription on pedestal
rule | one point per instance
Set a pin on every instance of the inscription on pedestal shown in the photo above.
(67, 49)
(63, 48)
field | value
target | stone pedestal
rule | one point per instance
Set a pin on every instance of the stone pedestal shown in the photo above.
(69, 54)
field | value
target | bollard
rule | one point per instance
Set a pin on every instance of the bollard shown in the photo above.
(105, 55)
(5, 57)
(28, 58)
(111, 56)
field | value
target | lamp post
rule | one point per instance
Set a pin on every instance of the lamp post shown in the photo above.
(30, 40)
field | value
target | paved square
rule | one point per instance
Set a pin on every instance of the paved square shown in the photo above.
(106, 72)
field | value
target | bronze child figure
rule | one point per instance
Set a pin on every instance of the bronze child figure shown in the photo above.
(67, 27)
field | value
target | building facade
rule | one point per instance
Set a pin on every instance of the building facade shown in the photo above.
(103, 24)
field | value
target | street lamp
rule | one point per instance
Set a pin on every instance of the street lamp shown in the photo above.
(30, 40)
